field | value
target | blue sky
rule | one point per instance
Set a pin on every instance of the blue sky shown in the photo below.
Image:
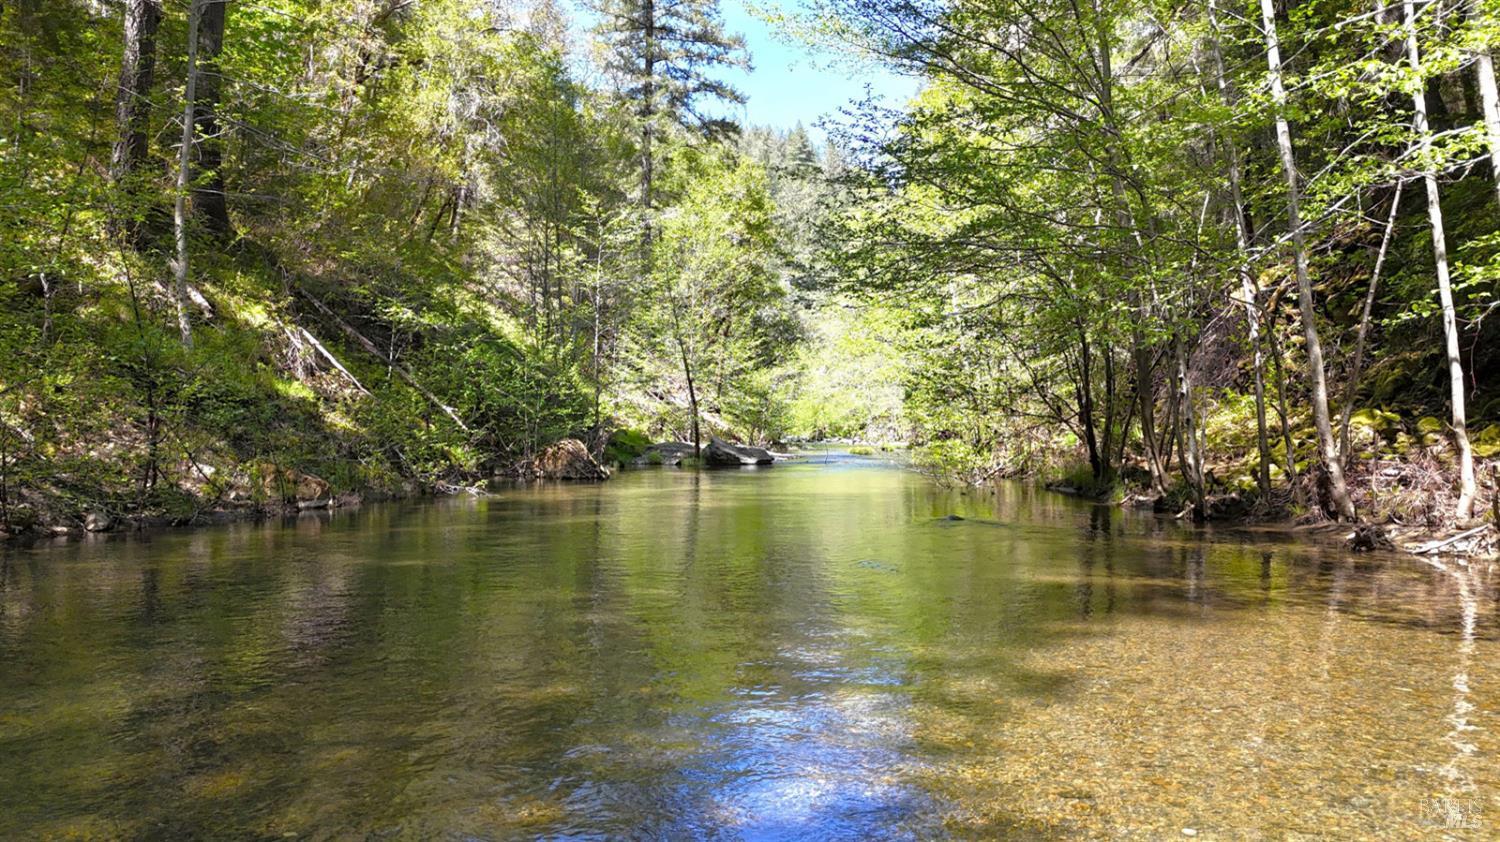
(793, 83)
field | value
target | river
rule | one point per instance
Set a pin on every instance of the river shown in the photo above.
(815, 650)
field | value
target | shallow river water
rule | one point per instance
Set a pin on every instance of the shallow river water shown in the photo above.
(809, 651)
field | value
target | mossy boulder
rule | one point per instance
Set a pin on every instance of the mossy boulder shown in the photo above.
(1431, 431)
(1486, 442)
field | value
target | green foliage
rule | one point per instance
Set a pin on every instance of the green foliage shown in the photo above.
(627, 445)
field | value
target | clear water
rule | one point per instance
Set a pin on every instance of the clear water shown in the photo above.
(810, 651)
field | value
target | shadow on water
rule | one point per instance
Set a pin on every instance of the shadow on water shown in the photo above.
(813, 651)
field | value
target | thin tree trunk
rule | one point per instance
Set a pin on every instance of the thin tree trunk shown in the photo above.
(1282, 408)
(1248, 286)
(648, 128)
(1086, 407)
(1484, 68)
(687, 370)
(210, 202)
(1189, 454)
(1338, 490)
(180, 266)
(1357, 366)
(1466, 483)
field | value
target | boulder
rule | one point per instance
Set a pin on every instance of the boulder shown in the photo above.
(568, 459)
(98, 522)
(667, 453)
(720, 453)
(311, 491)
(288, 485)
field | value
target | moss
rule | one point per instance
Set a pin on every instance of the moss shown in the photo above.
(625, 445)
(1486, 442)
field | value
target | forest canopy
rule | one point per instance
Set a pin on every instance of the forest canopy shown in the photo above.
(1221, 256)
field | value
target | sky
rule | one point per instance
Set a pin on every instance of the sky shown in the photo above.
(790, 82)
(793, 83)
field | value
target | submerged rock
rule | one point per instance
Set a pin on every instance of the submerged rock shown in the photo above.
(1368, 537)
(569, 460)
(720, 453)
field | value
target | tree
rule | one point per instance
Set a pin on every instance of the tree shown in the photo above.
(210, 200)
(181, 265)
(1466, 482)
(1338, 489)
(664, 54)
(715, 285)
(133, 96)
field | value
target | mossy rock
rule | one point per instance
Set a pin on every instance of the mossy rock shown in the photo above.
(1430, 430)
(1486, 443)
(1377, 420)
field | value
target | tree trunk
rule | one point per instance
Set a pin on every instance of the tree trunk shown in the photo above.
(1338, 490)
(1140, 354)
(1189, 452)
(1357, 366)
(133, 98)
(1248, 286)
(210, 203)
(687, 370)
(1097, 466)
(1484, 68)
(184, 163)
(1466, 484)
(648, 128)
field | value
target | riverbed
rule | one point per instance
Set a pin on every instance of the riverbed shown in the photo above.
(828, 649)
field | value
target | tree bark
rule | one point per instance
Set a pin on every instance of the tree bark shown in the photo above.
(133, 97)
(1484, 69)
(180, 266)
(1466, 483)
(1338, 490)
(210, 202)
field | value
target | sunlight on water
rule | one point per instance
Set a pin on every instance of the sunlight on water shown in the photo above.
(814, 651)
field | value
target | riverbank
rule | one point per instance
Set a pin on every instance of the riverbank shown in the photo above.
(1411, 516)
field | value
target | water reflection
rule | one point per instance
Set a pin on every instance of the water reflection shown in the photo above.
(814, 651)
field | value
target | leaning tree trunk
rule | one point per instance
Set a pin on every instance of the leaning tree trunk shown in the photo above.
(210, 202)
(133, 98)
(1338, 490)
(1466, 484)
(180, 265)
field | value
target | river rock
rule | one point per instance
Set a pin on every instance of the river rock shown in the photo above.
(98, 522)
(568, 459)
(666, 453)
(720, 453)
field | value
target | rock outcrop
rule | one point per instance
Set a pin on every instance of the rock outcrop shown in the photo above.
(566, 460)
(667, 453)
(722, 454)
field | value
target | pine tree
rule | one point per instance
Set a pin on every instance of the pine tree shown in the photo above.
(663, 56)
